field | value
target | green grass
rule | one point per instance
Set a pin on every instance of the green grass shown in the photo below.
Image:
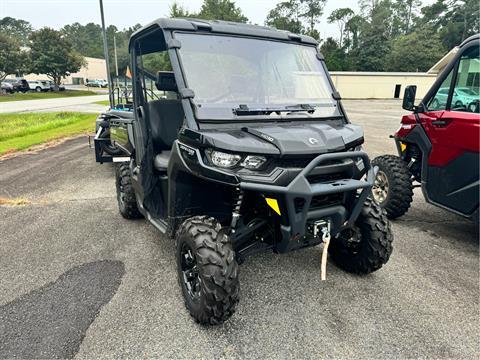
(45, 95)
(103, 102)
(20, 131)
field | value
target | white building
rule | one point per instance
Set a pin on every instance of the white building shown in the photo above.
(380, 85)
(94, 69)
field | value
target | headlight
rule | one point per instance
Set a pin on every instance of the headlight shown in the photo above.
(222, 159)
(253, 162)
(226, 160)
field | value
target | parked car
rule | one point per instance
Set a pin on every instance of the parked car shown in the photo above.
(462, 97)
(97, 83)
(438, 144)
(6, 88)
(19, 85)
(38, 86)
(51, 85)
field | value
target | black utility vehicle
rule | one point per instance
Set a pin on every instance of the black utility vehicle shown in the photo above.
(242, 147)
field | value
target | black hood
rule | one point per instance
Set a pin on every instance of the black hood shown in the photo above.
(285, 139)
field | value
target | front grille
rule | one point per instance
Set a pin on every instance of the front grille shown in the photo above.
(326, 173)
(325, 178)
(319, 202)
(295, 162)
(303, 162)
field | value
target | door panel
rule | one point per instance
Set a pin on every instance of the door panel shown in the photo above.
(451, 133)
(453, 163)
(455, 185)
(452, 123)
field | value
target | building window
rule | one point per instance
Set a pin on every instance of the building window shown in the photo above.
(473, 80)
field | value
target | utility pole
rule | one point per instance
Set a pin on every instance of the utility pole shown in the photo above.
(115, 53)
(105, 51)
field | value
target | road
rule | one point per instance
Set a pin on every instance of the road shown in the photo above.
(76, 103)
(80, 281)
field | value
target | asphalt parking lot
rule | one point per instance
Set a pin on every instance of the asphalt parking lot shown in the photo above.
(79, 280)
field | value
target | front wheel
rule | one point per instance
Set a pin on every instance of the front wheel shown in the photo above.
(126, 198)
(38, 89)
(393, 187)
(368, 245)
(207, 270)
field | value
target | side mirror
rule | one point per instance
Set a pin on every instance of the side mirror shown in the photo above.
(409, 97)
(166, 81)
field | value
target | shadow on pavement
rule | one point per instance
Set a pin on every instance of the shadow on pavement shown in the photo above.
(51, 322)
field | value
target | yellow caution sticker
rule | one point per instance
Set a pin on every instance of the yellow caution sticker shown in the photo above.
(403, 146)
(273, 203)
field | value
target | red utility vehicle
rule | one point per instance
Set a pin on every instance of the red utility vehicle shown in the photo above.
(438, 144)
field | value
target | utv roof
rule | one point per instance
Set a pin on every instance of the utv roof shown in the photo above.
(223, 27)
(471, 38)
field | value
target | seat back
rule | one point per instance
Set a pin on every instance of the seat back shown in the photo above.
(166, 119)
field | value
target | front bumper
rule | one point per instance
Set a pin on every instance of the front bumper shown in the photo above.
(340, 216)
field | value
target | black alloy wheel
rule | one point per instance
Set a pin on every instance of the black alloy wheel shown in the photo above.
(189, 270)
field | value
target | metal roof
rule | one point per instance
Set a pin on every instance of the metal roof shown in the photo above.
(225, 27)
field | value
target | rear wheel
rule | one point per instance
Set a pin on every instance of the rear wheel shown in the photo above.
(126, 198)
(38, 89)
(393, 188)
(368, 245)
(207, 270)
(108, 146)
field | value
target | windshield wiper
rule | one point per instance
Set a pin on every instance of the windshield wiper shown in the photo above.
(243, 110)
(301, 107)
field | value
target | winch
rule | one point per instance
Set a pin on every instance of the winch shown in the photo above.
(321, 229)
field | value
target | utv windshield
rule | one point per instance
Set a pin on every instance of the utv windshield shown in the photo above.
(235, 77)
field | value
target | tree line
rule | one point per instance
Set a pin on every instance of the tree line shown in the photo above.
(385, 35)
(45, 51)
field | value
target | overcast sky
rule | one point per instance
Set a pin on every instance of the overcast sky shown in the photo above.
(125, 13)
